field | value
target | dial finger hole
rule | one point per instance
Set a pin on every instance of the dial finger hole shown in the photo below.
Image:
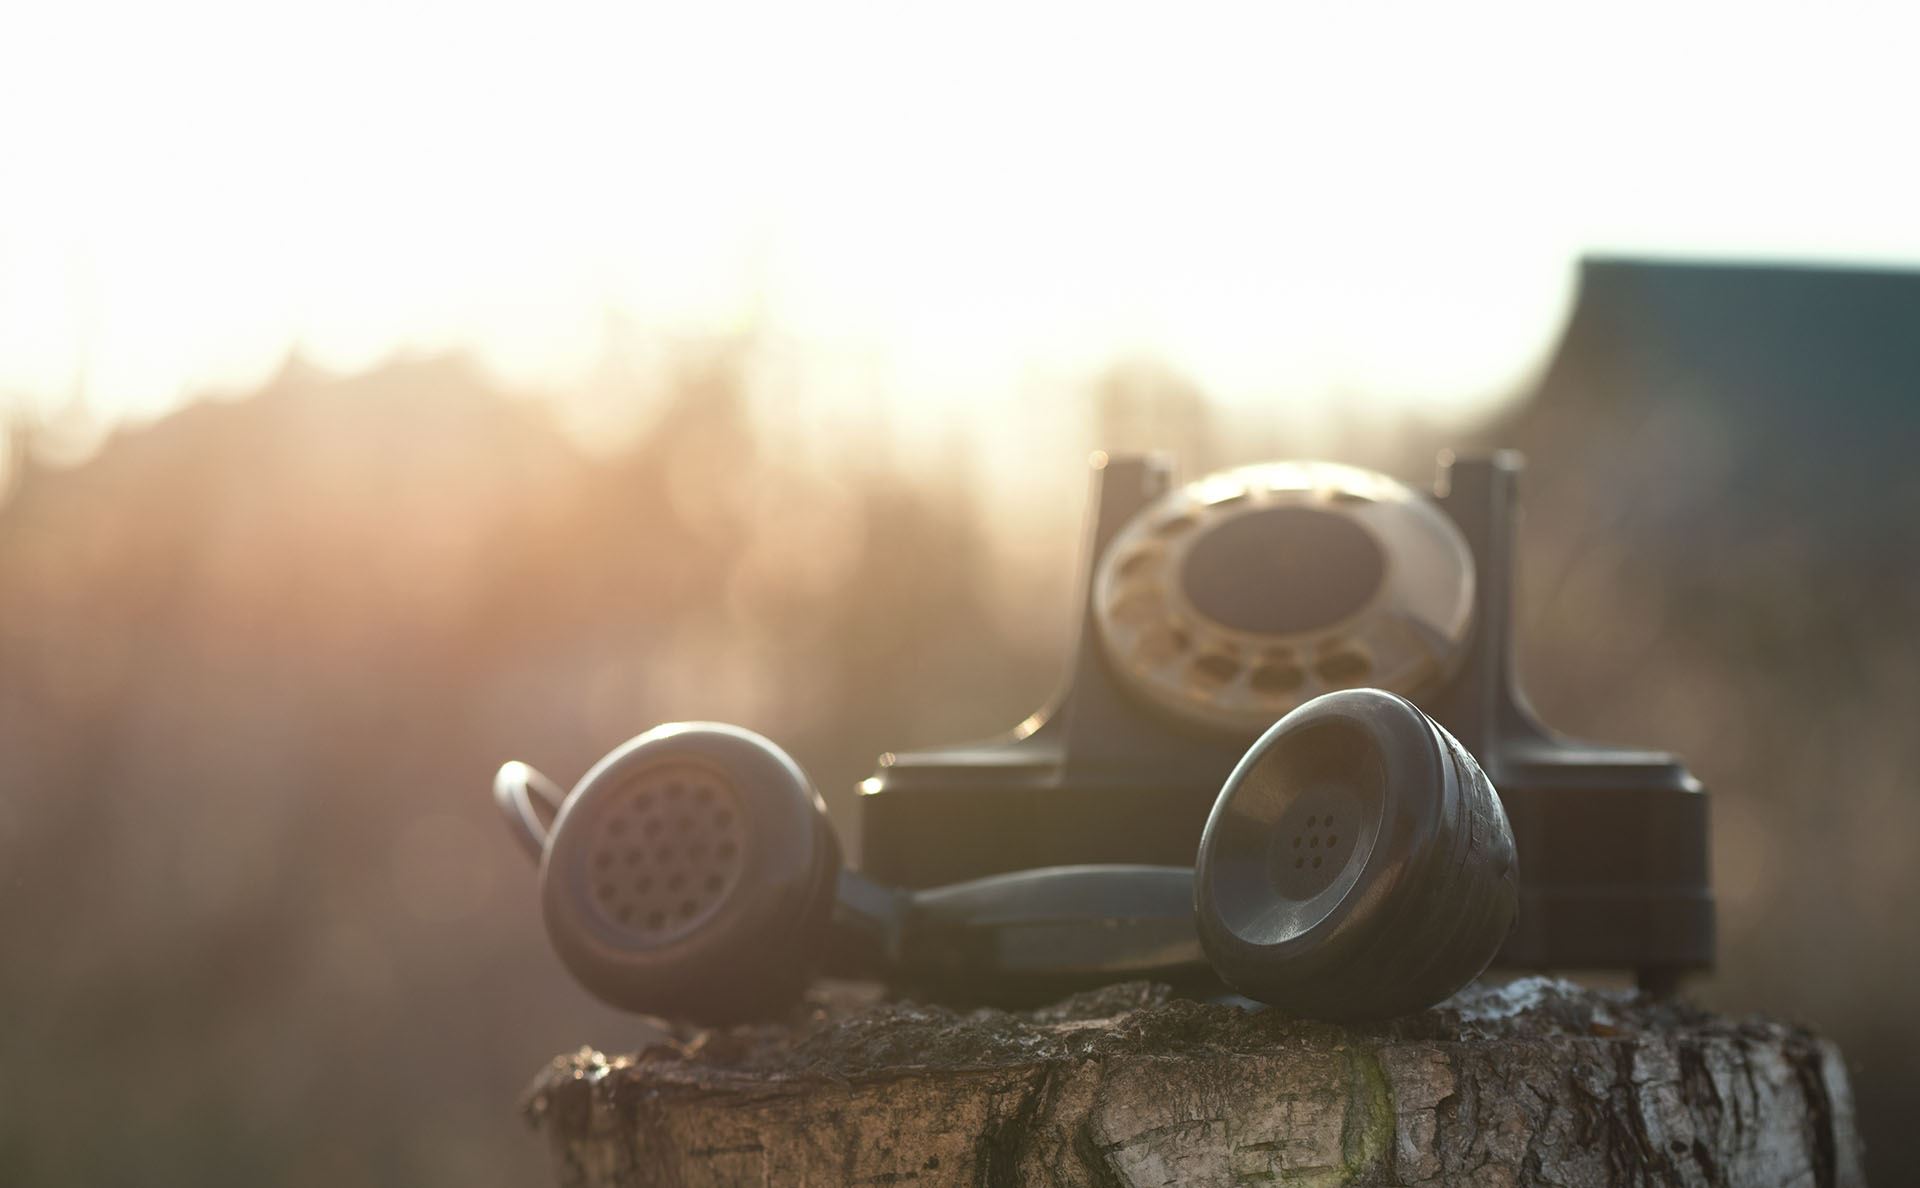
(1161, 645)
(1139, 608)
(1275, 679)
(1343, 668)
(1137, 564)
(1214, 669)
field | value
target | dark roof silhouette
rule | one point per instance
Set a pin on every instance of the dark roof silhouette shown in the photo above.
(1735, 398)
(1789, 347)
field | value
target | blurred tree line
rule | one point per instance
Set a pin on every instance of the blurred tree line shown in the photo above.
(258, 661)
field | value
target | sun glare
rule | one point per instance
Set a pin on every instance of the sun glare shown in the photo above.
(1376, 201)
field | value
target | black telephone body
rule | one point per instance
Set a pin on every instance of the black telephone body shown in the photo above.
(1284, 588)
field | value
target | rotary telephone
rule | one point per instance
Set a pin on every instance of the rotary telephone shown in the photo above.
(1272, 767)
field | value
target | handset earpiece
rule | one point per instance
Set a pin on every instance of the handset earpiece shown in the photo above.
(690, 872)
(693, 873)
(1357, 863)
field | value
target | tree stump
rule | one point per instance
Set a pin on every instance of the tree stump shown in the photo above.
(1537, 1082)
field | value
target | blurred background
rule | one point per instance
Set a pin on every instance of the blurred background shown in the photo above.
(387, 391)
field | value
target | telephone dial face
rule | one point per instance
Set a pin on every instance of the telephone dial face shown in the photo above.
(1233, 600)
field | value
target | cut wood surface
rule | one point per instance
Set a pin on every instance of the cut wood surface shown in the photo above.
(1536, 1082)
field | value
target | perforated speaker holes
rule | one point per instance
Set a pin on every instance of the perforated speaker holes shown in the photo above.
(1311, 845)
(670, 849)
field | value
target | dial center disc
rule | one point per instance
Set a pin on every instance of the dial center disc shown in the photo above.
(1283, 570)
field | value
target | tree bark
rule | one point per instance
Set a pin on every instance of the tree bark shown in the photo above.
(1538, 1082)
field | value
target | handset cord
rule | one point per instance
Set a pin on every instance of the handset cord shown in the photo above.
(515, 789)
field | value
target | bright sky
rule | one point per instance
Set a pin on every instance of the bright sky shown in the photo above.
(1281, 201)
